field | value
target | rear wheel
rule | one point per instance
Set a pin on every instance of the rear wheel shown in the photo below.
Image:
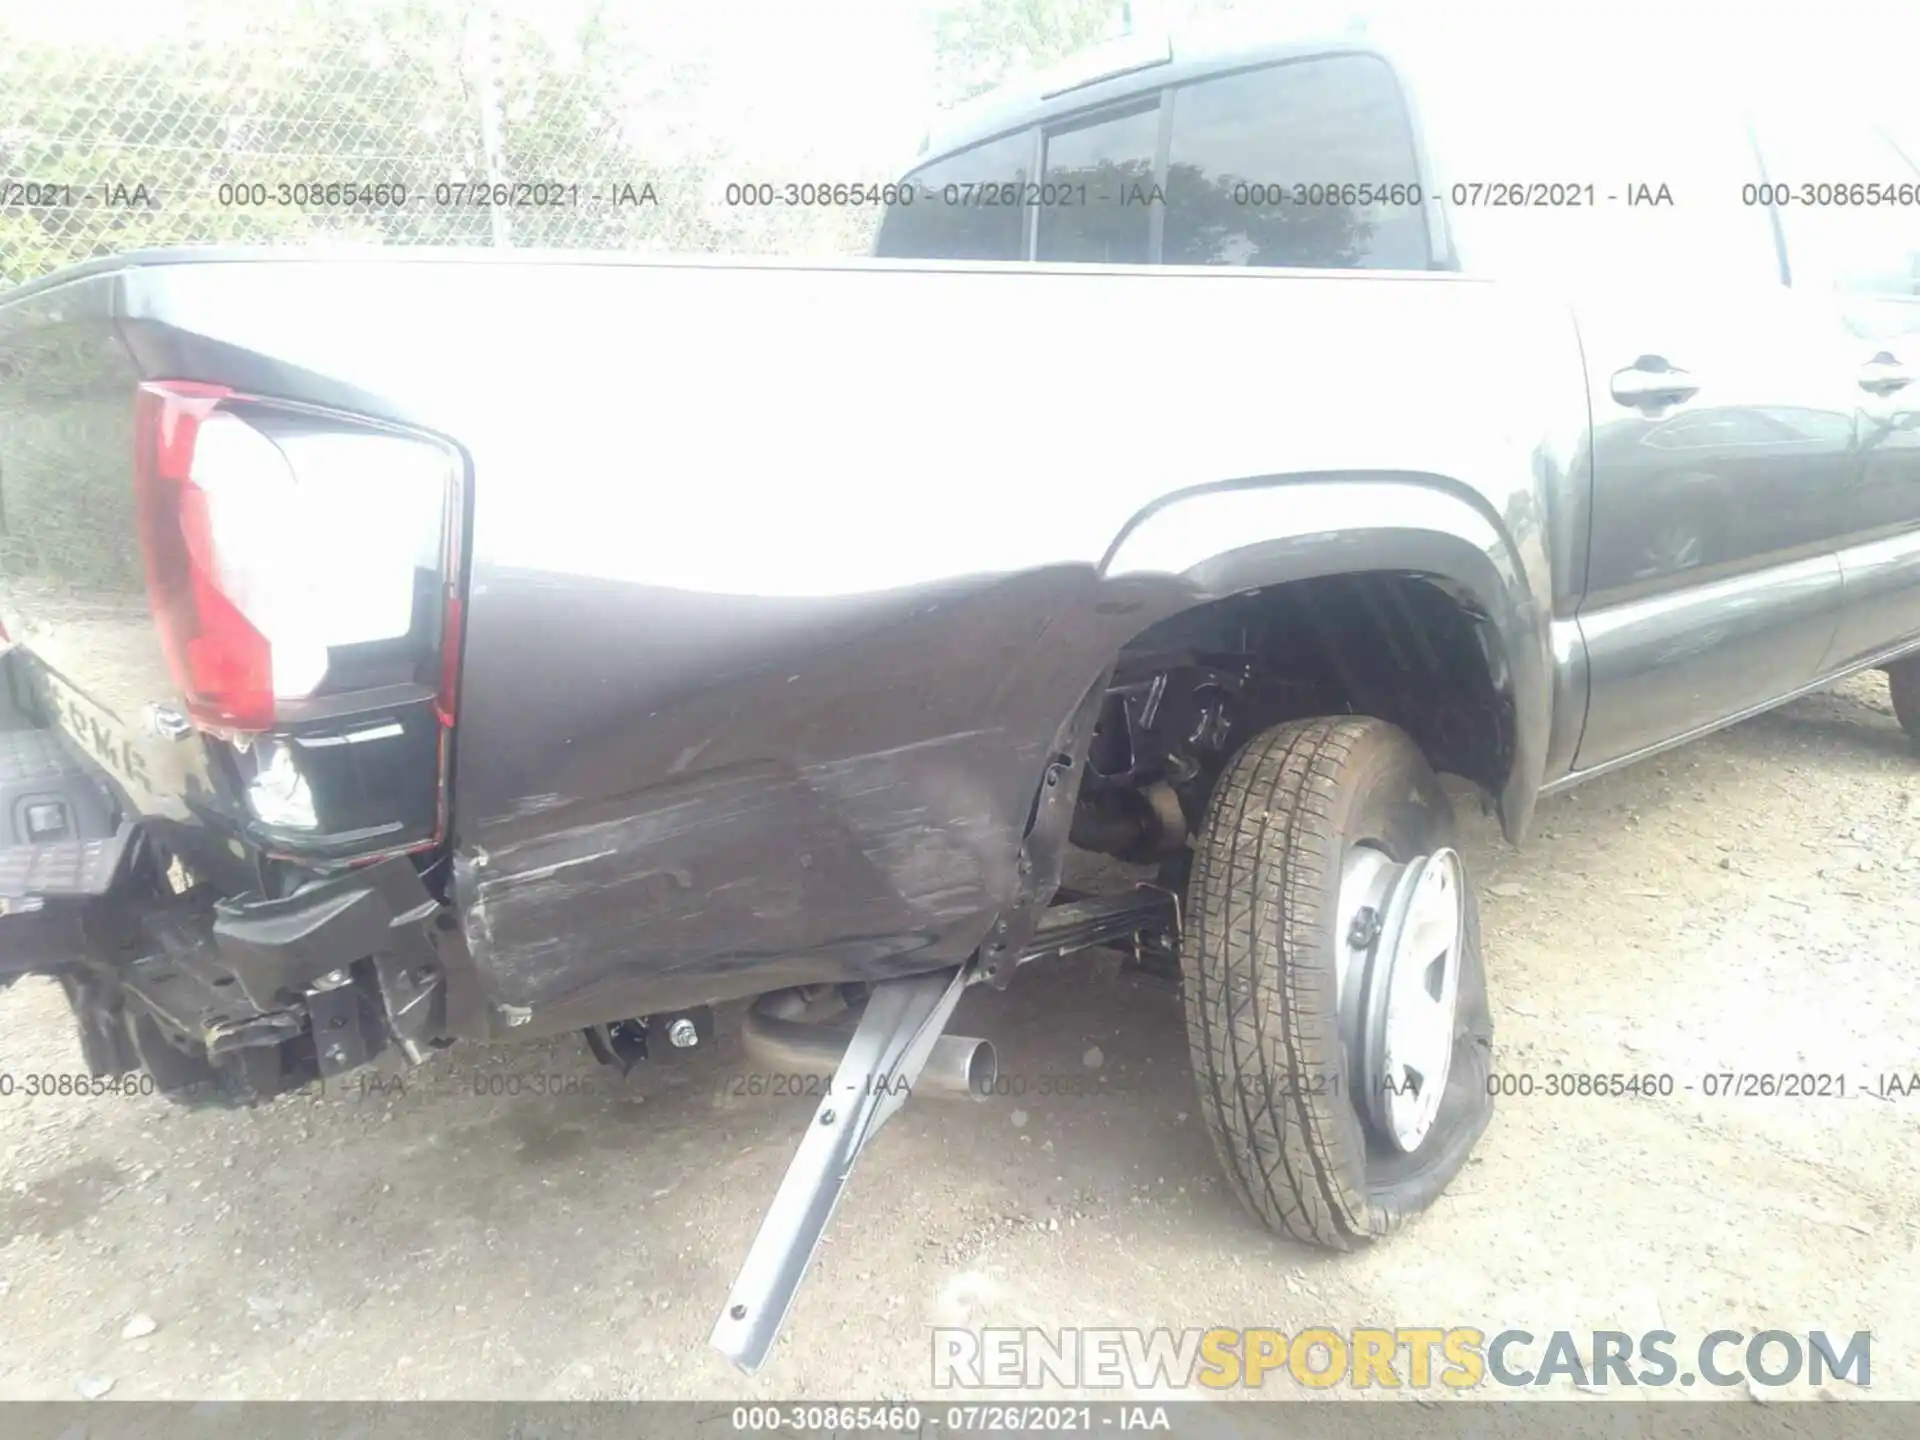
(118, 1038)
(189, 1077)
(1336, 1011)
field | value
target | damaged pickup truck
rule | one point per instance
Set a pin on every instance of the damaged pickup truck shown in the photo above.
(412, 649)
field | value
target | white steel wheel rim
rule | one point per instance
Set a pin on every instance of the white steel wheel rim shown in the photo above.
(1422, 999)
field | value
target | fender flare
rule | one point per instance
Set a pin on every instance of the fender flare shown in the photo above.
(1227, 539)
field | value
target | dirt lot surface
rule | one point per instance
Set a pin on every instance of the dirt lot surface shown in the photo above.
(1748, 904)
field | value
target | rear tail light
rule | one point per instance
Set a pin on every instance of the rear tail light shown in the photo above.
(302, 570)
(292, 555)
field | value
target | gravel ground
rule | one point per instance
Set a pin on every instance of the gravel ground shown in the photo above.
(1748, 903)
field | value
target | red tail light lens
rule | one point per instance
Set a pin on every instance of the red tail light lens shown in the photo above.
(221, 663)
(292, 555)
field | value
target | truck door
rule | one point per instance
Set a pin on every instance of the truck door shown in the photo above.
(1721, 401)
(1722, 437)
(1848, 202)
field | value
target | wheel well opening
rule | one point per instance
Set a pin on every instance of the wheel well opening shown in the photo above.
(1190, 690)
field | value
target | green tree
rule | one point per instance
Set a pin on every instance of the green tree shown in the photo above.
(135, 143)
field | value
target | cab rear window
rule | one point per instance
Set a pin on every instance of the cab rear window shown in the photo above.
(968, 206)
(1308, 163)
(1304, 163)
(1097, 202)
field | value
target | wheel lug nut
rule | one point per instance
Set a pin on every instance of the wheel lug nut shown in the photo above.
(1365, 928)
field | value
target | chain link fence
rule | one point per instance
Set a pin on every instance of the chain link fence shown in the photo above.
(418, 122)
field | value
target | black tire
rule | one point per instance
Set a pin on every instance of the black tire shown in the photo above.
(187, 1078)
(1277, 1090)
(1903, 684)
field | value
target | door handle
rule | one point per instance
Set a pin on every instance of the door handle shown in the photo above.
(1650, 381)
(1883, 375)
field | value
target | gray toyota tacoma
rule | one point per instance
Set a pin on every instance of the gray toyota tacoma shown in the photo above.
(406, 649)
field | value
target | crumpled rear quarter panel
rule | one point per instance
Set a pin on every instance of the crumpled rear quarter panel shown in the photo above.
(724, 795)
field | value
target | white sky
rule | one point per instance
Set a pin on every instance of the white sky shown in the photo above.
(850, 81)
(847, 79)
(789, 81)
(847, 82)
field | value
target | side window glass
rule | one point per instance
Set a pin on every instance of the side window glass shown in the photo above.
(1825, 173)
(1309, 163)
(972, 220)
(1097, 196)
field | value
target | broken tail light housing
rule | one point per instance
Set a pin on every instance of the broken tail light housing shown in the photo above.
(303, 573)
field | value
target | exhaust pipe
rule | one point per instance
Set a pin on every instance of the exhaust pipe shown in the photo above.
(783, 1031)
